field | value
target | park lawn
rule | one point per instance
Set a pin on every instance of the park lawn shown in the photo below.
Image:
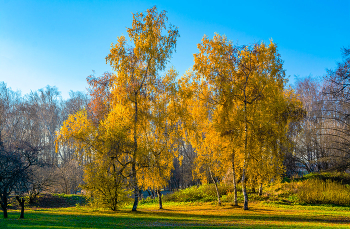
(184, 215)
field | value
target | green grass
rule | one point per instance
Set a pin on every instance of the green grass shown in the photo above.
(340, 177)
(184, 215)
(280, 206)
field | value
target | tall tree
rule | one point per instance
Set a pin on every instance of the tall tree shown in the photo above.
(99, 134)
(199, 130)
(137, 67)
(160, 139)
(245, 83)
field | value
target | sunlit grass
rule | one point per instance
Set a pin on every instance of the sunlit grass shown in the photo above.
(324, 192)
(183, 215)
(278, 207)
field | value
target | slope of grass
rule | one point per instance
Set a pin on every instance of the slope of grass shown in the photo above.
(340, 177)
(317, 191)
(187, 215)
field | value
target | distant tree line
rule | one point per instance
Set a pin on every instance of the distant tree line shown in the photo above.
(28, 124)
(322, 144)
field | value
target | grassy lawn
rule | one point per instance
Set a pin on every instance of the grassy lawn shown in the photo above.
(184, 215)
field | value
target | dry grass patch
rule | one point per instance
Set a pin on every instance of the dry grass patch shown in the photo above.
(317, 191)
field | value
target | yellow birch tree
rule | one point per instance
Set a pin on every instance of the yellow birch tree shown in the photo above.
(160, 138)
(137, 66)
(100, 134)
(244, 82)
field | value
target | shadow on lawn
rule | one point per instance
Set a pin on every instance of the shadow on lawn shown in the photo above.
(253, 214)
(165, 218)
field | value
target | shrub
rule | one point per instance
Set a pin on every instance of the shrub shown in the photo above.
(105, 185)
(280, 192)
(111, 201)
(149, 200)
(316, 191)
(72, 199)
(204, 193)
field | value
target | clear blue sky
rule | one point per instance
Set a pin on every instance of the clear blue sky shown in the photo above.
(59, 43)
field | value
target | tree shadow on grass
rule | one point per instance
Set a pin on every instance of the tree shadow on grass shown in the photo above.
(250, 215)
(165, 218)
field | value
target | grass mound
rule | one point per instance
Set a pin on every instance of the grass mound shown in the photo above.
(315, 191)
(314, 188)
(342, 178)
(331, 189)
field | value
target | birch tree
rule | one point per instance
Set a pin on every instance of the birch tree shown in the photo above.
(152, 42)
(245, 82)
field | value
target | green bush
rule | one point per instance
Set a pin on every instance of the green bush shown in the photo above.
(203, 193)
(149, 200)
(316, 191)
(72, 199)
(112, 201)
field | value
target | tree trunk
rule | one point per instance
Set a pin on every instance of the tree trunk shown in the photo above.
(235, 202)
(31, 197)
(136, 188)
(149, 193)
(21, 203)
(244, 190)
(133, 167)
(160, 199)
(216, 187)
(140, 194)
(4, 206)
(5, 212)
(260, 189)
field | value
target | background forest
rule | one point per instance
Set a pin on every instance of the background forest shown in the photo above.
(232, 119)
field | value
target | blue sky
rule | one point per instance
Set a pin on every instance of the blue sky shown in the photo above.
(59, 43)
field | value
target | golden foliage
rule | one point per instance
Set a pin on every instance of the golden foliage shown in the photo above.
(233, 109)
